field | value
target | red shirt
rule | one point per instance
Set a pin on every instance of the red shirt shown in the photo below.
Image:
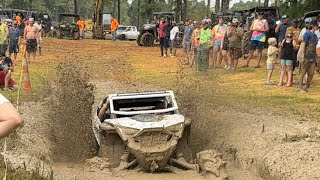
(161, 29)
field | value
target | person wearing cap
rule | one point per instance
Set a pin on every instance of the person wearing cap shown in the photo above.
(114, 27)
(173, 39)
(259, 27)
(9, 117)
(6, 69)
(203, 50)
(218, 32)
(3, 36)
(39, 38)
(307, 22)
(14, 40)
(282, 28)
(234, 34)
(30, 36)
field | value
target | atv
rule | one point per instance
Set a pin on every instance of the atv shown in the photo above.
(145, 130)
(67, 26)
(149, 33)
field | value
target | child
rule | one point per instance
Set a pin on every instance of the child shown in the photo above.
(287, 57)
(272, 55)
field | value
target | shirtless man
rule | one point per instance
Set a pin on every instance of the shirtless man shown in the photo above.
(30, 36)
(9, 117)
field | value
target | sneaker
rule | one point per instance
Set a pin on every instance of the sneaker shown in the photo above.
(303, 91)
(269, 83)
(228, 68)
(164, 56)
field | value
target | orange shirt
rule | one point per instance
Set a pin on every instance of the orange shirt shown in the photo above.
(81, 24)
(114, 25)
(19, 20)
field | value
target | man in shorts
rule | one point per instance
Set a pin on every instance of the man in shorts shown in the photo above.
(9, 117)
(14, 40)
(195, 41)
(187, 41)
(259, 28)
(3, 36)
(235, 38)
(161, 36)
(30, 36)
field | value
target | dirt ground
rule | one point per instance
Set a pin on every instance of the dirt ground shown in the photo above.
(257, 142)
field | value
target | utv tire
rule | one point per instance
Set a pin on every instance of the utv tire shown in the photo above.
(147, 39)
(58, 34)
(139, 40)
(76, 36)
(122, 37)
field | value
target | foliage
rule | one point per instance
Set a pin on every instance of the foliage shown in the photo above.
(244, 5)
(297, 8)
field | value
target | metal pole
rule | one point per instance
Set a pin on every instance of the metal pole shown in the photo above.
(138, 25)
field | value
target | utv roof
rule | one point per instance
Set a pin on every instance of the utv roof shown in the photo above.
(143, 94)
(312, 13)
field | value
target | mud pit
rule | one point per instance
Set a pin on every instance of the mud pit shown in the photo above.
(256, 144)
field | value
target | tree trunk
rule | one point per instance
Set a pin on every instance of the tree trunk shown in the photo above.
(217, 6)
(114, 8)
(266, 3)
(178, 10)
(225, 5)
(138, 24)
(185, 9)
(119, 16)
(3, 2)
(209, 8)
(75, 3)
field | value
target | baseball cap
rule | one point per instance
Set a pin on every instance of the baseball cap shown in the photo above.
(284, 17)
(235, 20)
(308, 20)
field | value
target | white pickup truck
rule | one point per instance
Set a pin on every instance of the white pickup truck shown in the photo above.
(127, 33)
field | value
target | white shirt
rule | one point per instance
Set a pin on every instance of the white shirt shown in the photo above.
(3, 99)
(301, 34)
(173, 33)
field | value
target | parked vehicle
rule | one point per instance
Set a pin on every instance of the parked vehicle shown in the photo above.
(67, 26)
(127, 33)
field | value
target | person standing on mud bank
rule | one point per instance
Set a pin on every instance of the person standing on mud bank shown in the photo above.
(9, 117)
(82, 26)
(163, 43)
(203, 50)
(195, 41)
(187, 41)
(218, 32)
(235, 38)
(30, 36)
(4, 31)
(114, 27)
(14, 40)
(309, 45)
(295, 31)
(259, 28)
(173, 39)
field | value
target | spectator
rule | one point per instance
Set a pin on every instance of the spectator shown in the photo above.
(203, 50)
(307, 23)
(167, 30)
(39, 38)
(31, 33)
(287, 57)
(295, 31)
(114, 27)
(173, 39)
(6, 69)
(82, 26)
(272, 56)
(14, 40)
(235, 35)
(161, 34)
(208, 20)
(18, 19)
(281, 29)
(3, 36)
(9, 117)
(225, 47)
(310, 41)
(218, 33)
(187, 41)
(259, 28)
(195, 41)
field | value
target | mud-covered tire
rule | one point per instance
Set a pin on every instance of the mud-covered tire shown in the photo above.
(76, 35)
(122, 37)
(183, 145)
(112, 147)
(58, 34)
(147, 39)
(139, 40)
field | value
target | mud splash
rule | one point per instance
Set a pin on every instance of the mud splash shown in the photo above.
(70, 113)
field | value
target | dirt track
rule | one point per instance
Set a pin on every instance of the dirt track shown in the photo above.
(267, 145)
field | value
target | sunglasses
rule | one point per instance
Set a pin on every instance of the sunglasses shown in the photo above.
(289, 36)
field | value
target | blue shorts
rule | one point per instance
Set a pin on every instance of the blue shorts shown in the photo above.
(254, 45)
(13, 49)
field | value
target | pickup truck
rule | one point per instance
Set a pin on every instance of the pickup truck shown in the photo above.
(127, 33)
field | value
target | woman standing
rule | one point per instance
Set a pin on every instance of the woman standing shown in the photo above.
(287, 58)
